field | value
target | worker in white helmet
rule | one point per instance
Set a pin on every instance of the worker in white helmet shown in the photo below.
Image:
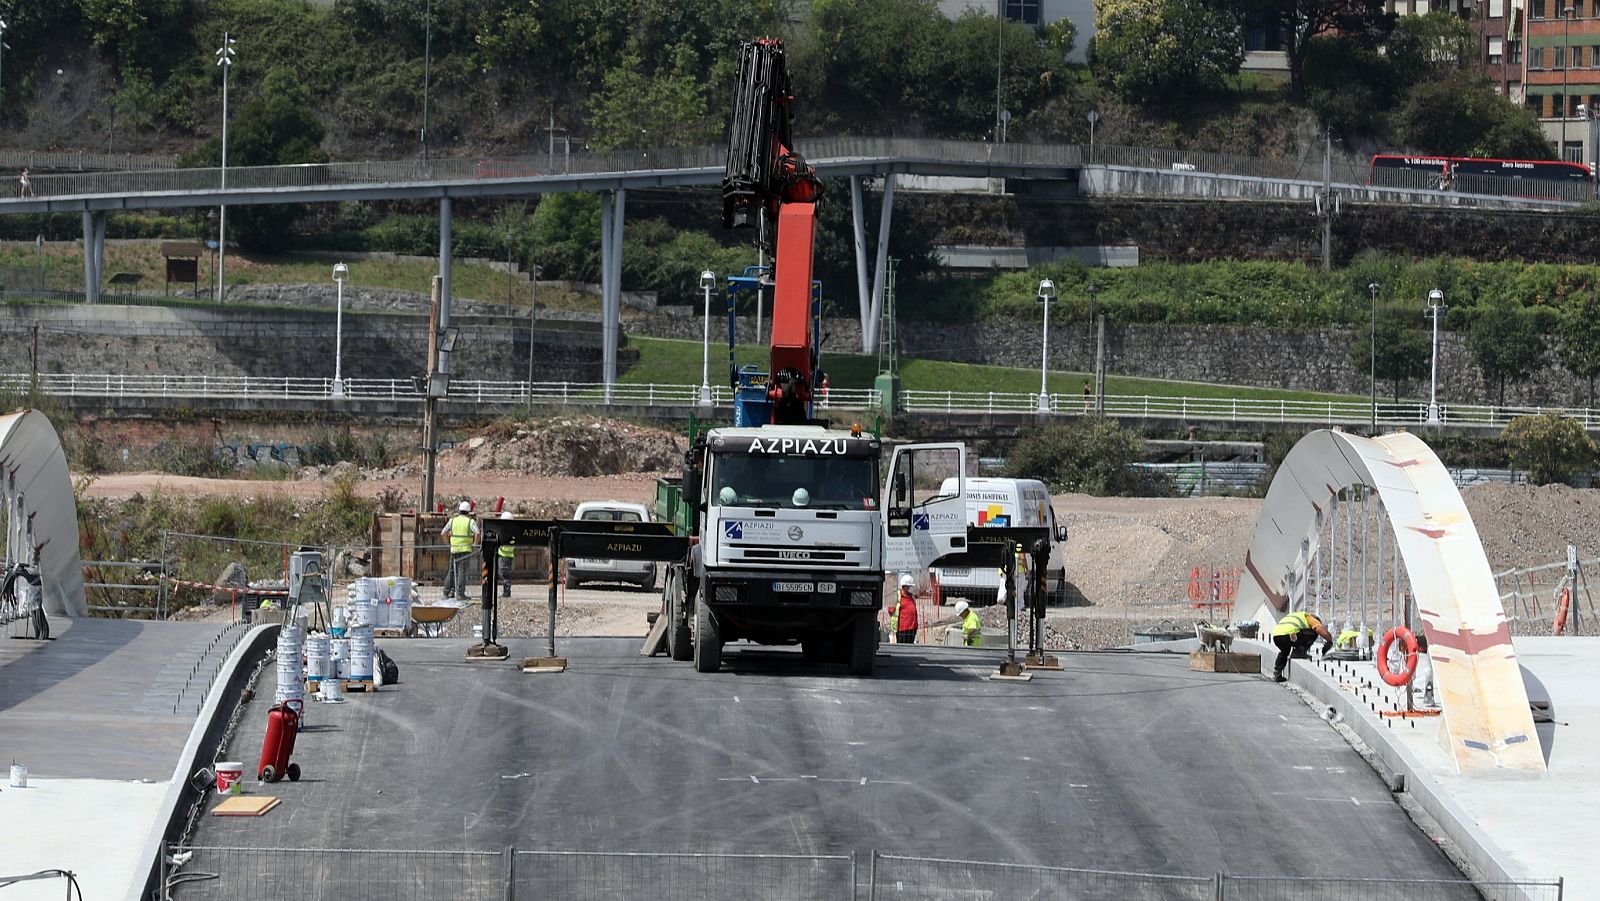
(462, 530)
(971, 627)
(904, 618)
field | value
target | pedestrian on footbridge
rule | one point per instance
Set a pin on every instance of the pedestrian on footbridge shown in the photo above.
(1295, 633)
(462, 530)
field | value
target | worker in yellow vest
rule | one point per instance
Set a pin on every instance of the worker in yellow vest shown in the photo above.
(1296, 632)
(506, 553)
(971, 627)
(462, 530)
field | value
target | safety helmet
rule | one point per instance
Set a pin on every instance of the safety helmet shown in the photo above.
(906, 581)
(961, 607)
(507, 514)
(802, 497)
(465, 506)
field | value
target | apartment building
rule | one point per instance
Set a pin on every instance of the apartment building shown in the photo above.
(1035, 12)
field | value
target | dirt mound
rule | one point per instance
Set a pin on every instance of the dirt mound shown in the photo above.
(1526, 525)
(1133, 549)
(564, 448)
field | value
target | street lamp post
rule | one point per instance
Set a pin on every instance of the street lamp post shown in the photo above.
(2, 56)
(533, 322)
(340, 270)
(224, 56)
(1435, 310)
(1094, 118)
(427, 65)
(1372, 364)
(708, 283)
(1566, 64)
(1046, 295)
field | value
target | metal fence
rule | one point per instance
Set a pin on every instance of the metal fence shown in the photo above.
(248, 874)
(618, 876)
(157, 174)
(1532, 598)
(82, 162)
(1127, 406)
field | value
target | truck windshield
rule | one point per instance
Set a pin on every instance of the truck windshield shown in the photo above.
(830, 483)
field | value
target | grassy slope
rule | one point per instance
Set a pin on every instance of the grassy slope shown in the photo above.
(668, 361)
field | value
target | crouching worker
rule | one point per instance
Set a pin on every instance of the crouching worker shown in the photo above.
(1296, 632)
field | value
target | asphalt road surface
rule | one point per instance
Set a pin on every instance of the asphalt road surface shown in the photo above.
(1121, 762)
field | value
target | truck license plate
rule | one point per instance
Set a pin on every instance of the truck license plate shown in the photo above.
(956, 572)
(792, 587)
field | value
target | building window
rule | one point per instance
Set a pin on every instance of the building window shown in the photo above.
(1514, 51)
(1497, 9)
(1536, 9)
(1561, 57)
(1024, 11)
(1496, 50)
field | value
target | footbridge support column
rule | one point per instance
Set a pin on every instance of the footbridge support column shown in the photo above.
(612, 204)
(94, 255)
(870, 336)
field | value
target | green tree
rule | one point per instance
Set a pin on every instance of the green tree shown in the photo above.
(635, 110)
(1507, 345)
(566, 236)
(1552, 448)
(1350, 86)
(1402, 353)
(1425, 46)
(1164, 51)
(1579, 326)
(1461, 115)
(1092, 456)
(1304, 21)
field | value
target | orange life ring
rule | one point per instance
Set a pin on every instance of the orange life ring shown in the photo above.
(1409, 642)
(1563, 605)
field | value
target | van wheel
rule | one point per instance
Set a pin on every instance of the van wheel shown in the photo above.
(707, 639)
(863, 646)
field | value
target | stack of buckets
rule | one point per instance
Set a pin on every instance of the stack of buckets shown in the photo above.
(390, 598)
(291, 672)
(364, 609)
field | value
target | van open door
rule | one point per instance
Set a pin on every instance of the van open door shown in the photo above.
(925, 506)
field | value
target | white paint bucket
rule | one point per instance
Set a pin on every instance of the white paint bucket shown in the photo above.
(318, 656)
(340, 663)
(339, 622)
(230, 778)
(291, 663)
(19, 775)
(331, 691)
(361, 653)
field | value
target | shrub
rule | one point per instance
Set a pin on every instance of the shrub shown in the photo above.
(1551, 448)
(1091, 456)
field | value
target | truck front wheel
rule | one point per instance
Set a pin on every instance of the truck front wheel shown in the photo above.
(707, 639)
(680, 641)
(863, 645)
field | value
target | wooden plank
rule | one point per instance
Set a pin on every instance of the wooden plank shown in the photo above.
(245, 806)
(1224, 662)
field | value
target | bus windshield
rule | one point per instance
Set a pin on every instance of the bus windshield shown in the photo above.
(828, 483)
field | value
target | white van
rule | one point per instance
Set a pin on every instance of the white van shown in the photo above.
(1002, 502)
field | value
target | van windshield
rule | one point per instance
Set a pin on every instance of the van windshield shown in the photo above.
(611, 515)
(829, 483)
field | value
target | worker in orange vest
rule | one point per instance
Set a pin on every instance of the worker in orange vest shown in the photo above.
(905, 611)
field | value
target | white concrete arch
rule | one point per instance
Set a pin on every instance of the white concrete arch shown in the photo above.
(42, 513)
(1486, 716)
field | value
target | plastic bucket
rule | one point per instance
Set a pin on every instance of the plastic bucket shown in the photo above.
(229, 776)
(361, 653)
(318, 655)
(331, 691)
(19, 775)
(339, 622)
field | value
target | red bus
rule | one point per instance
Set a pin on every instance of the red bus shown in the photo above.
(1396, 170)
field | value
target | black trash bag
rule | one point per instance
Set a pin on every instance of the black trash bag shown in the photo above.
(388, 668)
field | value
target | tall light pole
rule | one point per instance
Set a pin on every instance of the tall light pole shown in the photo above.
(1566, 64)
(1435, 310)
(1094, 118)
(708, 283)
(999, 60)
(533, 321)
(1372, 364)
(340, 270)
(2, 57)
(1098, 319)
(1046, 295)
(427, 66)
(224, 56)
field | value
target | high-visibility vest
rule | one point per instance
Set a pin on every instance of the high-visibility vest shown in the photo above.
(508, 550)
(1295, 623)
(461, 534)
(972, 630)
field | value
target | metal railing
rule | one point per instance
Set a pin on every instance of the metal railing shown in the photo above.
(83, 162)
(262, 873)
(1136, 406)
(157, 174)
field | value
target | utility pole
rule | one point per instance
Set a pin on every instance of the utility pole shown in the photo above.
(430, 438)
(1327, 200)
(427, 67)
(224, 56)
(999, 60)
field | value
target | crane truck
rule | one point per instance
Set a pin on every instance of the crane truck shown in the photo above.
(788, 538)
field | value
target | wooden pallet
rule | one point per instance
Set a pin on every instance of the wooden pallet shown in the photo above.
(388, 633)
(360, 685)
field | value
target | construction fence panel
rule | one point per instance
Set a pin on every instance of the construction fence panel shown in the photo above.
(622, 876)
(895, 878)
(316, 874)
(1307, 888)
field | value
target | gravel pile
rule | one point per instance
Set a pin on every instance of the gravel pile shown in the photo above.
(1526, 525)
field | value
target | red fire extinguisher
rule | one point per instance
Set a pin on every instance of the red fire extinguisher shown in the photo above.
(283, 721)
